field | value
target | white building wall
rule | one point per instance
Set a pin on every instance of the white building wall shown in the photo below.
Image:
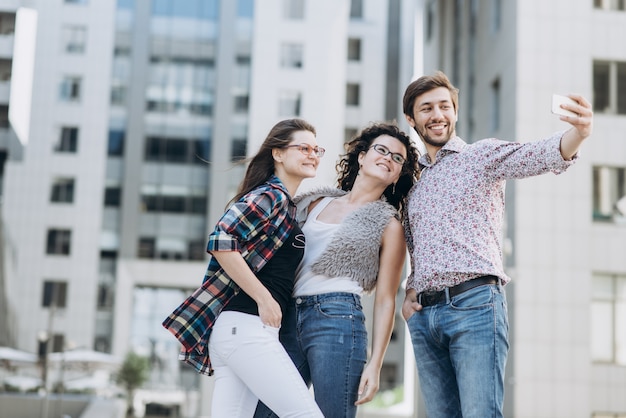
(27, 209)
(558, 246)
(544, 48)
(321, 80)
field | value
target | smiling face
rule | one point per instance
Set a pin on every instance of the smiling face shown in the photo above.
(375, 164)
(434, 117)
(293, 162)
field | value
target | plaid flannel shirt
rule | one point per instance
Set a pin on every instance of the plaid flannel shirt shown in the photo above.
(256, 225)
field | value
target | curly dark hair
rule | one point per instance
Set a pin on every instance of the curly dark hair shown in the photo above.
(348, 165)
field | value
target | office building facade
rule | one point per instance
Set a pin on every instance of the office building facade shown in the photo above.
(130, 120)
(564, 234)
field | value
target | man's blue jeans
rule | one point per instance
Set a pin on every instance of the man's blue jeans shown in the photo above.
(460, 348)
(326, 338)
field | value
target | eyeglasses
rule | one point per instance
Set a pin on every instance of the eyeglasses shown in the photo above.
(383, 150)
(306, 149)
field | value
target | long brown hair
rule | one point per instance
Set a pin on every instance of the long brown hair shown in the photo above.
(348, 166)
(261, 165)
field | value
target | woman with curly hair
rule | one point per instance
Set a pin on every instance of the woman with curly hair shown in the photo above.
(355, 244)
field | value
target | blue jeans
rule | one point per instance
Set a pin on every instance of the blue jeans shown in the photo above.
(325, 336)
(460, 348)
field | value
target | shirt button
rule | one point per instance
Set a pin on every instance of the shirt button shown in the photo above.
(298, 301)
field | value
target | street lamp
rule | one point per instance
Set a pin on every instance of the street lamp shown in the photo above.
(44, 342)
(44, 339)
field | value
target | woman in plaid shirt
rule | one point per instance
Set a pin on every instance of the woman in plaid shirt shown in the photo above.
(255, 249)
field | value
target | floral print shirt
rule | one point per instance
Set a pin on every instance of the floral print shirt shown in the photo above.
(455, 211)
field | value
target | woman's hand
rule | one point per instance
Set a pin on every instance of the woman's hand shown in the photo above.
(368, 387)
(269, 312)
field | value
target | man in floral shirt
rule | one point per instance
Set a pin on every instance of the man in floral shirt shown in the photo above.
(453, 229)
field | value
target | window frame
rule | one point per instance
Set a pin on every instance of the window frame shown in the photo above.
(58, 241)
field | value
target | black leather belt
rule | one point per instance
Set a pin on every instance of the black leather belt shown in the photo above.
(433, 298)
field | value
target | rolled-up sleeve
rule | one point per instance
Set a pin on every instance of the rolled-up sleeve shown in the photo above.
(240, 223)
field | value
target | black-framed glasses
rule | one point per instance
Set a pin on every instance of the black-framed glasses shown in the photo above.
(383, 150)
(306, 149)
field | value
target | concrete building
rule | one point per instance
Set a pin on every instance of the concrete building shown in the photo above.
(565, 234)
(130, 117)
(8, 145)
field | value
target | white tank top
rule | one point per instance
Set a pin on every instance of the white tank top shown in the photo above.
(318, 235)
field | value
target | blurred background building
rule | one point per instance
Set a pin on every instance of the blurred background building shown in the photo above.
(129, 117)
(566, 234)
(121, 123)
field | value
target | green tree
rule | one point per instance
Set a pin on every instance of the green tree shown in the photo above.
(131, 375)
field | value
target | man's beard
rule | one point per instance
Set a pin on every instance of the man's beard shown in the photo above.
(434, 142)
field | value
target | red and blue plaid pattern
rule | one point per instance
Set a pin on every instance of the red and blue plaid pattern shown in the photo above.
(256, 225)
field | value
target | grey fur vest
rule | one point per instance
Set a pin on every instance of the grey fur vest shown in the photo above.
(354, 249)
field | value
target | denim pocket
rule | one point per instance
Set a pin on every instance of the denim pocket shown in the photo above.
(337, 309)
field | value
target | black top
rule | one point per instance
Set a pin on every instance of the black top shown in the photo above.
(278, 276)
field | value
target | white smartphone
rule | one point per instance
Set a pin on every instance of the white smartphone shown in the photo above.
(557, 101)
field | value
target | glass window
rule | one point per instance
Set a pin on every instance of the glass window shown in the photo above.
(58, 241)
(126, 4)
(112, 196)
(62, 190)
(197, 205)
(601, 99)
(621, 88)
(118, 94)
(181, 86)
(68, 140)
(70, 89)
(4, 116)
(349, 134)
(196, 9)
(176, 151)
(293, 9)
(115, 147)
(196, 250)
(609, 194)
(238, 149)
(202, 151)
(354, 49)
(497, 15)
(241, 103)
(356, 9)
(175, 204)
(291, 55)
(245, 8)
(74, 39)
(610, 4)
(54, 294)
(106, 292)
(352, 94)
(430, 20)
(154, 148)
(495, 105)
(289, 103)
(146, 247)
(608, 319)
(609, 87)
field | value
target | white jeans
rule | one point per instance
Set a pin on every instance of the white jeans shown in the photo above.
(250, 364)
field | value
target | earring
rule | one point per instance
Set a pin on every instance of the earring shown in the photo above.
(393, 190)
